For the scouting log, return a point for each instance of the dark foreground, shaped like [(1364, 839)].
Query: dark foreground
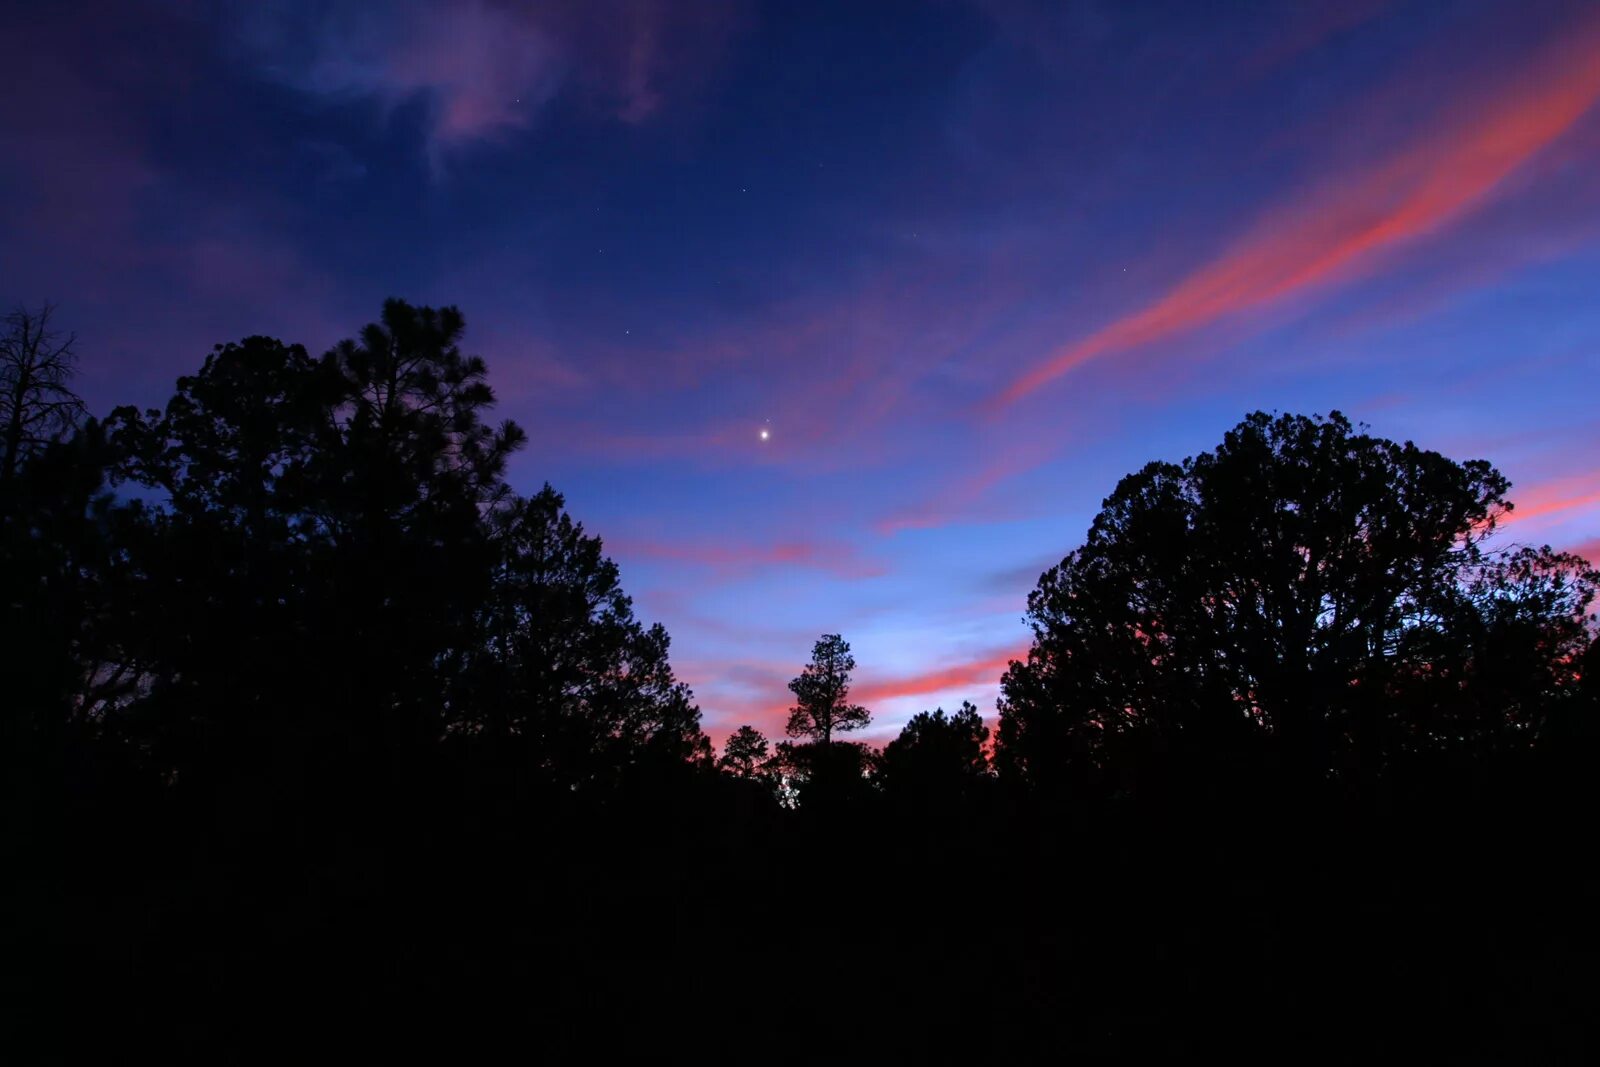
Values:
[(705, 922)]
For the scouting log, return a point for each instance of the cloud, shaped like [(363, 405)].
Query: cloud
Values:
[(1339, 229), (838, 559), (985, 671), (958, 501), (1555, 497), (1022, 578), (834, 370), (483, 70), (1306, 31), (737, 693)]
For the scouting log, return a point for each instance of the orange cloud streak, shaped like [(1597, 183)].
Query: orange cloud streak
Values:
[(977, 672), (1554, 497), (1346, 223), (769, 713)]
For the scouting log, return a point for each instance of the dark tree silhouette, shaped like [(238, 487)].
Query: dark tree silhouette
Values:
[(560, 667), (229, 613), (937, 755), (1498, 664), (56, 560), (37, 404), (1304, 584), (822, 694), (825, 773), (325, 705), (745, 754), (412, 407), (317, 554), (413, 468)]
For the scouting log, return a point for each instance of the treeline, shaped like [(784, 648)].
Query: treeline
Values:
[(299, 692)]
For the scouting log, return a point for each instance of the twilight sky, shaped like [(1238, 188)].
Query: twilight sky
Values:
[(968, 263)]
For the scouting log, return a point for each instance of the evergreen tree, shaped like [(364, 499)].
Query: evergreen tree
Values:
[(561, 669), (822, 694), (746, 753)]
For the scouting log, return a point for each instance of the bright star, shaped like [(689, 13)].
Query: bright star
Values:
[(765, 434)]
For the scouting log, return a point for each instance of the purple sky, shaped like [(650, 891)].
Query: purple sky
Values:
[(969, 263)]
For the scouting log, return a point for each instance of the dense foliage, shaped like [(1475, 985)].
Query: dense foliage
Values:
[(1306, 593), (301, 692)]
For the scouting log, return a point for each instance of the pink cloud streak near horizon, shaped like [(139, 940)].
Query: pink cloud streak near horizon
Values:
[(769, 711)]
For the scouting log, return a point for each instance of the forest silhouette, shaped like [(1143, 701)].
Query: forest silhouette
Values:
[(319, 737)]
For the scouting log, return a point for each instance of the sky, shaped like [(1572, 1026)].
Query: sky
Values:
[(966, 263)]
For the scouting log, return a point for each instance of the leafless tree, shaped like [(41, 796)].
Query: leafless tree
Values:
[(37, 404)]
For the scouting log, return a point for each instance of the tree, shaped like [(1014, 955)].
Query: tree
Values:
[(233, 573), (37, 404), (823, 778), (1503, 668), (318, 551), (1297, 587), (404, 487), (56, 551), (822, 692), (937, 755), (60, 558), (238, 441), (745, 753), (412, 426), (560, 670)]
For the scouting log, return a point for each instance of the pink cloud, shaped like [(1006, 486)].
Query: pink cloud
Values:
[(1555, 497), (1339, 230), (757, 694), (985, 671), (837, 559)]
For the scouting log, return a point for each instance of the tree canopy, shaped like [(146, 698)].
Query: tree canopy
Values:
[(559, 665), (937, 754), (1307, 586), (331, 567), (821, 691), (746, 753), (292, 648)]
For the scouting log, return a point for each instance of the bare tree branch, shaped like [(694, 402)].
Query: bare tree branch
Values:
[(37, 404)]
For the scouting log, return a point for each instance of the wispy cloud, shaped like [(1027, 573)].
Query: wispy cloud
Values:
[(1555, 497), (837, 559), (958, 501), (483, 70), (984, 671), (1339, 230)]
